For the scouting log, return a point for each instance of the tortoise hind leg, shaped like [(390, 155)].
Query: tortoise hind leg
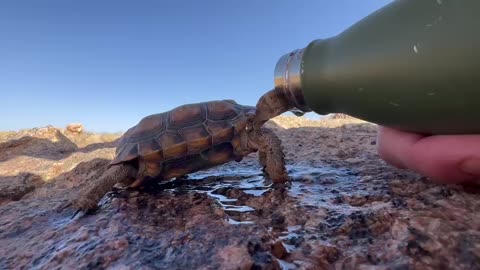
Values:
[(88, 198), (272, 156), (140, 179)]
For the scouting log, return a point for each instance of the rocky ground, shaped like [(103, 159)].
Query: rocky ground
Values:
[(345, 209)]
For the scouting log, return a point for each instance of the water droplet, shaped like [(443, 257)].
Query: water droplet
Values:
[(415, 49), (439, 2), (431, 94), (360, 89), (234, 222), (297, 112)]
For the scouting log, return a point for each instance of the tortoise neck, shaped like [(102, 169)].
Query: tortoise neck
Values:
[(271, 104)]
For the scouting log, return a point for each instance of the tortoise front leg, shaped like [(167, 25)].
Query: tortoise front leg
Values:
[(262, 158), (272, 156)]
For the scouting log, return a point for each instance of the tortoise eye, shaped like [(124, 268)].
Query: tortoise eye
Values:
[(249, 126)]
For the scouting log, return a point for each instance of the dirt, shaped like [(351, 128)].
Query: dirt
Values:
[(345, 209)]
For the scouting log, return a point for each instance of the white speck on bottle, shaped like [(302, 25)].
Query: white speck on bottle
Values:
[(415, 49), (394, 104)]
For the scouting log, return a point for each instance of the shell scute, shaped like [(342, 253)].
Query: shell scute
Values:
[(222, 131), (127, 152), (173, 145), (197, 138), (181, 166), (187, 130), (148, 127), (186, 115), (220, 153), (149, 146), (222, 110)]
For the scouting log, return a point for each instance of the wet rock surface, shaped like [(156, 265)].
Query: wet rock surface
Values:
[(344, 209)]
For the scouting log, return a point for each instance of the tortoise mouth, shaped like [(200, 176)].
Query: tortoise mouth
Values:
[(135, 163)]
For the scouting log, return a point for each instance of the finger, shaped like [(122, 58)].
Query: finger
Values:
[(447, 158), (393, 146)]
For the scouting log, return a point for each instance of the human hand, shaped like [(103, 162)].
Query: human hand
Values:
[(443, 158)]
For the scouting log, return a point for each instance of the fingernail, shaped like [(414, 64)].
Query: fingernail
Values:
[(471, 166)]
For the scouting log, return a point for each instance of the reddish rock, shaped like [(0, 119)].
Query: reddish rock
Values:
[(75, 128), (234, 257), (279, 250), (345, 209)]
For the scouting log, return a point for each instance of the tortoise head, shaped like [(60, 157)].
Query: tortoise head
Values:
[(250, 113), (252, 128)]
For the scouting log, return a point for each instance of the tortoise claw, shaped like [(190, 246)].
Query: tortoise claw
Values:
[(67, 205), (75, 214), (76, 206)]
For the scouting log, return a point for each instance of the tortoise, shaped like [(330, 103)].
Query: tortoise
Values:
[(183, 140)]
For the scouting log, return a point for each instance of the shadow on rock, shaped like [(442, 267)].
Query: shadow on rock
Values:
[(37, 147), (15, 187), (29, 185)]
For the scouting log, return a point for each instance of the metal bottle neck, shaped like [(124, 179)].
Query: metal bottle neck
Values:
[(287, 74)]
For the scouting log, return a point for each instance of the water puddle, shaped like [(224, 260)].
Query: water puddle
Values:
[(319, 186), (219, 183), (284, 265), (311, 186)]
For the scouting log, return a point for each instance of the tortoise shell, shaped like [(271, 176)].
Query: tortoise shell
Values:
[(185, 139)]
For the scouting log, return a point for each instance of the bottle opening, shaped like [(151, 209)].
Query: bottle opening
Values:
[(287, 78)]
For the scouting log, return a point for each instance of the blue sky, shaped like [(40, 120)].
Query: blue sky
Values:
[(107, 63)]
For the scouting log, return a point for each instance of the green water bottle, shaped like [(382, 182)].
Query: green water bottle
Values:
[(412, 65)]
